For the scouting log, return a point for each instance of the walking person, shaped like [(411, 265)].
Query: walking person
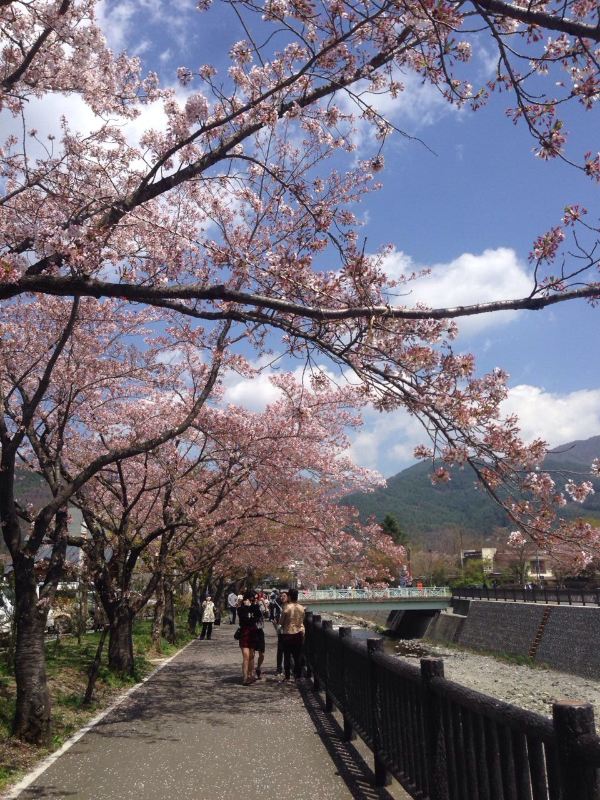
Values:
[(283, 598), (273, 597), (232, 601), (259, 639), (292, 634), (248, 615), (208, 617)]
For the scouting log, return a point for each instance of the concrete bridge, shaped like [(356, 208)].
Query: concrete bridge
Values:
[(406, 612), (428, 598)]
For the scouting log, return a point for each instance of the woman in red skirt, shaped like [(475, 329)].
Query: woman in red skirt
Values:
[(248, 615)]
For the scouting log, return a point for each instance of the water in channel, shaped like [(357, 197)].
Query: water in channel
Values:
[(407, 648)]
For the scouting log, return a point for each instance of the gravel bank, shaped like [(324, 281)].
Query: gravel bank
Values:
[(528, 687), (533, 688)]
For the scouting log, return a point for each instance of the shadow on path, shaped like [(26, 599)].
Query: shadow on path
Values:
[(193, 731), (351, 767)]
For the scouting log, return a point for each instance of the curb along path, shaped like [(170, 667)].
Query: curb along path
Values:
[(193, 731)]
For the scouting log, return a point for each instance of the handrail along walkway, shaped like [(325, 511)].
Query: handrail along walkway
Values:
[(442, 741), (533, 595)]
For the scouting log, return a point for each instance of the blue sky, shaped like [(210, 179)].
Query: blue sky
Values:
[(470, 210)]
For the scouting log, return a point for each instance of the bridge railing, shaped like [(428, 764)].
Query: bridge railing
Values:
[(442, 741), (534, 595), (375, 594)]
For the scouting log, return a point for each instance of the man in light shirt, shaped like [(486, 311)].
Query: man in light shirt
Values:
[(232, 601), (292, 634)]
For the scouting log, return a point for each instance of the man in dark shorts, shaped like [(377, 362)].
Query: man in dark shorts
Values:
[(292, 635)]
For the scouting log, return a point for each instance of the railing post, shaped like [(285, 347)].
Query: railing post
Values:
[(572, 720), (327, 625), (433, 724), (315, 676), (308, 623), (382, 777), (349, 735)]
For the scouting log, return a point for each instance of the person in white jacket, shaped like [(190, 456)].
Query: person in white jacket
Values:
[(208, 617)]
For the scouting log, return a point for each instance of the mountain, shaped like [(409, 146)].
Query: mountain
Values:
[(422, 508), (31, 488), (581, 452)]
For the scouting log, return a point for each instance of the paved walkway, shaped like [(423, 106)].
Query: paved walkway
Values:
[(193, 732)]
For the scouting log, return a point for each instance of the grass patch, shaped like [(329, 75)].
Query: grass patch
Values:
[(67, 663)]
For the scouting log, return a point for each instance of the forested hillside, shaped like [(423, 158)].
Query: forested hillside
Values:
[(421, 507)]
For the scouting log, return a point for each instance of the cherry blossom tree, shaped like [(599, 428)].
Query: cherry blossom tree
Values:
[(240, 211), (236, 490), (72, 380)]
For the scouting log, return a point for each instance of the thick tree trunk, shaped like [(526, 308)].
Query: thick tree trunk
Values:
[(32, 714), (120, 642), (82, 620), (194, 612), (159, 612), (94, 669), (169, 629)]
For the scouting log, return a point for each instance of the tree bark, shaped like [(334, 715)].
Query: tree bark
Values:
[(169, 629), (120, 641), (159, 612), (193, 613), (94, 669), (32, 713)]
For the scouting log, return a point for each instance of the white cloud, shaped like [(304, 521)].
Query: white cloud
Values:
[(420, 105), (121, 21), (254, 394), (116, 22), (257, 392), (467, 280), (44, 114), (387, 441), (556, 418)]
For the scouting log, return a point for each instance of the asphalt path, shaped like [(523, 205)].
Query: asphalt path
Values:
[(193, 731)]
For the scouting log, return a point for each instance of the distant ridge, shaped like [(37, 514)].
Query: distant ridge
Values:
[(583, 451), (422, 508)]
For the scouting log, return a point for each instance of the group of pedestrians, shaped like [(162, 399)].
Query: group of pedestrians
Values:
[(252, 609)]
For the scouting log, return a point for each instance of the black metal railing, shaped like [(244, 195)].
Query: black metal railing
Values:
[(585, 597), (442, 741)]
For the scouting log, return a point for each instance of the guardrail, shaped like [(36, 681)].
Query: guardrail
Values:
[(571, 597), (375, 594), (442, 741)]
